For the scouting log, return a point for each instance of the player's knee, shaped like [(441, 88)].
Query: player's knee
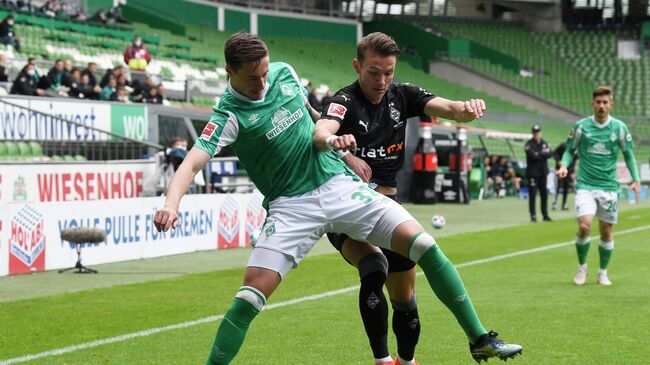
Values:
[(373, 263), (253, 296), (585, 227), (409, 305), (421, 243), (607, 244)]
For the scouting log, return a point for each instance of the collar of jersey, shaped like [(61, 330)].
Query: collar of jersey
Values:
[(244, 97), (609, 119)]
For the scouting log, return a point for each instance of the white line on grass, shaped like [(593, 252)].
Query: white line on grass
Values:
[(285, 303)]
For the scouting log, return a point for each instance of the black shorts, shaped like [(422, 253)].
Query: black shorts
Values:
[(396, 262)]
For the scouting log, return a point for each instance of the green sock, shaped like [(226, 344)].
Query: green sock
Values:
[(448, 287), (231, 332), (605, 256), (583, 250)]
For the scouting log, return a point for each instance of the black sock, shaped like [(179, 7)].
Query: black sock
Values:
[(372, 302), (406, 326)]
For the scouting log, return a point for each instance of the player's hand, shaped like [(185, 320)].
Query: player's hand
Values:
[(345, 142), (165, 218), (562, 172), (471, 109), (636, 187), (359, 166)]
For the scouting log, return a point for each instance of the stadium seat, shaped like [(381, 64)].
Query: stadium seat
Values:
[(3, 151), (13, 153), (24, 151)]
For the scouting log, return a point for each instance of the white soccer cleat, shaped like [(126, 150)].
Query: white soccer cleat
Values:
[(581, 275), (602, 278)]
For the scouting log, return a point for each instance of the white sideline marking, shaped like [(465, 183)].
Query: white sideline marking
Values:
[(285, 303)]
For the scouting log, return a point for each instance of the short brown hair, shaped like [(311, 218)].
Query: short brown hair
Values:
[(603, 91), (243, 47), (379, 43)]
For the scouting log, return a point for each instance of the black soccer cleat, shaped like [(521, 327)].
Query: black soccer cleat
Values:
[(489, 345)]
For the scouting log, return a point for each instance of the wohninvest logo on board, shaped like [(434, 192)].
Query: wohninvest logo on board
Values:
[(27, 242), (228, 227)]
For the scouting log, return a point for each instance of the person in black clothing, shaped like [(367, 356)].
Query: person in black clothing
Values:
[(75, 84), (85, 89), (115, 73), (4, 73), (95, 89), (564, 183), (58, 80), (373, 112), (27, 81), (537, 154), (7, 35)]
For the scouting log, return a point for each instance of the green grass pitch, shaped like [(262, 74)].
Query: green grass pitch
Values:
[(529, 299)]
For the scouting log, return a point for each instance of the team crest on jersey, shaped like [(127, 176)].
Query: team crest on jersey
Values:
[(337, 110), (612, 137), (394, 115), (287, 90), (571, 133), (208, 131), (254, 118)]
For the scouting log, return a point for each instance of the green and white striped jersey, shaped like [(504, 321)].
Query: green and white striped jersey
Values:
[(272, 137)]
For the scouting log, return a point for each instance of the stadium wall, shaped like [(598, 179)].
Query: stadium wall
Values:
[(18, 123), (93, 5), (230, 18), (30, 233)]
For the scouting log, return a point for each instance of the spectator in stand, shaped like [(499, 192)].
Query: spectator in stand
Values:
[(7, 35), (9, 4), (26, 6), (26, 83), (67, 66), (99, 17), (141, 90), (502, 172), (49, 8), (90, 70), (66, 11), (122, 94), (115, 14), (312, 98), (115, 73), (489, 179), (4, 74), (58, 80), (75, 84), (109, 92), (154, 96), (86, 90), (136, 55)]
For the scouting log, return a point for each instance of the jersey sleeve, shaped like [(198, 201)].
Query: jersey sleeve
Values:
[(338, 108), (221, 131), (627, 145), (571, 144), (416, 99)]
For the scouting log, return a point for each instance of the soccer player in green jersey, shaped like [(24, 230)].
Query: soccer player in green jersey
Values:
[(598, 139), (265, 118)]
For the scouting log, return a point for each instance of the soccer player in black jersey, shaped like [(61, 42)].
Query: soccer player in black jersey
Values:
[(374, 110)]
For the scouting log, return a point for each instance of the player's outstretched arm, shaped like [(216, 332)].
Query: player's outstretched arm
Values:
[(630, 162), (460, 111), (167, 217)]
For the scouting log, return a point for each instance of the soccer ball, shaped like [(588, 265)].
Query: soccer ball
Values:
[(438, 221)]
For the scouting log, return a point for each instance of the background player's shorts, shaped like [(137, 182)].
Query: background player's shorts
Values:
[(396, 262), (294, 224), (603, 204)]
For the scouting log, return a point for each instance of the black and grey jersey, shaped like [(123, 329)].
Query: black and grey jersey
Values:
[(378, 129)]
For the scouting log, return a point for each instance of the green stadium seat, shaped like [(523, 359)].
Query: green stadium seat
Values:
[(37, 149), (69, 158), (24, 151), (3, 151), (13, 153), (57, 158), (80, 158)]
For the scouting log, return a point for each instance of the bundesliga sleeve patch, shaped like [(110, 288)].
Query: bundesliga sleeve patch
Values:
[(337, 110), (208, 131)]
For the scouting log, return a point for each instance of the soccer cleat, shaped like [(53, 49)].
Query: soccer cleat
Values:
[(581, 275), (548, 219), (554, 206), (602, 278), (533, 219), (397, 362), (489, 345)]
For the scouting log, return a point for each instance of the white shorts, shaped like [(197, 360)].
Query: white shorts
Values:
[(603, 204), (342, 205)]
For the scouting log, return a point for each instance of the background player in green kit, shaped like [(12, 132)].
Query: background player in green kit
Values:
[(598, 139), (263, 116)]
